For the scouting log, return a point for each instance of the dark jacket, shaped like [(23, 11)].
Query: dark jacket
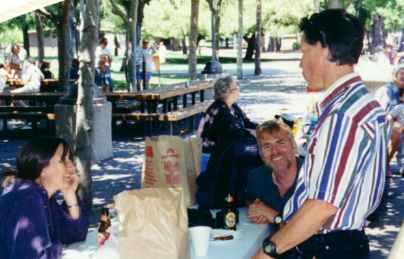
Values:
[(233, 153), (223, 124)]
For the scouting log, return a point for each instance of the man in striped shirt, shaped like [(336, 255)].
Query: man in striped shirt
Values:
[(342, 178)]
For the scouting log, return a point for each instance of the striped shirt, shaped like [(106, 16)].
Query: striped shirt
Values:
[(345, 163)]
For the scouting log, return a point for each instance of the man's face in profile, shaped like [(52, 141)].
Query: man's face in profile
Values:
[(312, 64)]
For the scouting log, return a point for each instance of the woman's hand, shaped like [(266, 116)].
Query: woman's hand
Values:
[(70, 180)]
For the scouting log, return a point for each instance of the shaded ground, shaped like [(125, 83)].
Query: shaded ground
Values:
[(280, 89)]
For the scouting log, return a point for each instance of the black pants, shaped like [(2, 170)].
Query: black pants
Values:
[(348, 244)]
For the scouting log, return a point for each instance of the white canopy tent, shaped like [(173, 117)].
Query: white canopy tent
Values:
[(13, 8)]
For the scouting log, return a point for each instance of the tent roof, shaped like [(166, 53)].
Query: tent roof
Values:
[(13, 8)]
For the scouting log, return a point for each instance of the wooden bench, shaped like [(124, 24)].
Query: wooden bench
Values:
[(175, 122), (37, 107), (160, 111)]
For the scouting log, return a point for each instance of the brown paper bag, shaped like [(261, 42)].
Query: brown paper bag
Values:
[(171, 161), (153, 224)]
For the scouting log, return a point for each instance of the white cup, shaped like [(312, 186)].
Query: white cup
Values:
[(200, 237)]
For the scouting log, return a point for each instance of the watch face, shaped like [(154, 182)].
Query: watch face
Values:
[(278, 220), (268, 249)]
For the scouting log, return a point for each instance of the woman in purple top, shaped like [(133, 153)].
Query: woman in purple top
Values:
[(33, 222)]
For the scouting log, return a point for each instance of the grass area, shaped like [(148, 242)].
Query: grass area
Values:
[(121, 85), (204, 59)]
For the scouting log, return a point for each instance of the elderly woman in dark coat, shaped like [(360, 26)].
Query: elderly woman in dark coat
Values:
[(227, 136)]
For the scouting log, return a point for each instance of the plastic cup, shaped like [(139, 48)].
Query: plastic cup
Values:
[(200, 237)]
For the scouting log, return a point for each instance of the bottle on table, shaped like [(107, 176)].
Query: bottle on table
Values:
[(230, 213), (104, 224)]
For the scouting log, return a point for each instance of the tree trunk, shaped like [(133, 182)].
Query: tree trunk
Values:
[(214, 35), (214, 6), (240, 41), (376, 33), (84, 119), (401, 46), (69, 25), (25, 37), (39, 33), (278, 44), (193, 39), (140, 16), (133, 21), (258, 70), (335, 4), (250, 47), (263, 43), (184, 45)]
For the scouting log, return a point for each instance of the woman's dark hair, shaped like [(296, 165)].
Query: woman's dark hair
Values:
[(339, 31), (36, 154)]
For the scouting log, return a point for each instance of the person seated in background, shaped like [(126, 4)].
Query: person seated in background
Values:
[(103, 76), (45, 69), (15, 62), (34, 224), (31, 78), (272, 184), (389, 97), (396, 116), (228, 136)]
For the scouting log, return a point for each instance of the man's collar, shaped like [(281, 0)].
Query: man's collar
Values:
[(336, 88)]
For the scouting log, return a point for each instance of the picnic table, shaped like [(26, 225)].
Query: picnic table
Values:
[(47, 85), (165, 110), (248, 240), (165, 99)]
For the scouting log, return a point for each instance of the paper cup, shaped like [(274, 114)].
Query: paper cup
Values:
[(200, 236)]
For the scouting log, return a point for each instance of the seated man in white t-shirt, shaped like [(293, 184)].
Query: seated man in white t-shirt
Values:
[(31, 77)]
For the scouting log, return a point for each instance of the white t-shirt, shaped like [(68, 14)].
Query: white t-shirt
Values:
[(3, 79), (32, 77)]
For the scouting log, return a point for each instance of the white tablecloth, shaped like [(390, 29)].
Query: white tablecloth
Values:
[(248, 241)]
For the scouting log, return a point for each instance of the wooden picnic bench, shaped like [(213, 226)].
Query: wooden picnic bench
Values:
[(166, 110), (47, 85), (36, 107)]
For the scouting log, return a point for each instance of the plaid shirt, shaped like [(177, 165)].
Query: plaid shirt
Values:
[(345, 163)]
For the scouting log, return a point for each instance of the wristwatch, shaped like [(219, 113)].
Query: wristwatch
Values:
[(269, 248), (278, 220)]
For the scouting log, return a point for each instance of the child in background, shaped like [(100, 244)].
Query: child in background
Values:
[(397, 117), (103, 75)]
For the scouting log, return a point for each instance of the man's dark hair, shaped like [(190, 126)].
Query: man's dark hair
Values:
[(36, 154), (339, 31)]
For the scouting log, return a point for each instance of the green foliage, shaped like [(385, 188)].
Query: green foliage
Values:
[(165, 19), (9, 34)]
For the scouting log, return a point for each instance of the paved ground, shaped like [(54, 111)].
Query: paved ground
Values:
[(280, 89)]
